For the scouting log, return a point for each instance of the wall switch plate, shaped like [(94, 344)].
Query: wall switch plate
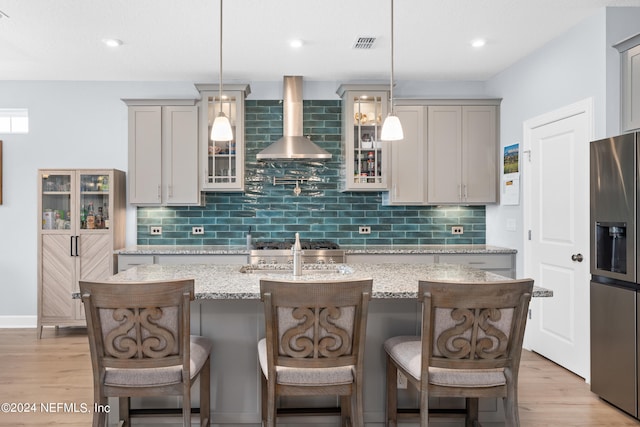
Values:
[(197, 230), (457, 229), (155, 231), (364, 229), (402, 381)]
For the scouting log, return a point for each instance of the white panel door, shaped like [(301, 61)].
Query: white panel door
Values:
[(558, 213)]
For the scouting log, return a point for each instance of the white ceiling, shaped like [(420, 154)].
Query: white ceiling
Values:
[(177, 40)]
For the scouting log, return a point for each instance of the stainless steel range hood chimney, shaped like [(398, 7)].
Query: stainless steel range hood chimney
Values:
[(293, 145)]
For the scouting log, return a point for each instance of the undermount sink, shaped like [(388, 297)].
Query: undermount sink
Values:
[(286, 269)]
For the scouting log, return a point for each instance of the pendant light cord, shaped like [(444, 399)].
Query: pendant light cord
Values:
[(391, 78), (220, 74)]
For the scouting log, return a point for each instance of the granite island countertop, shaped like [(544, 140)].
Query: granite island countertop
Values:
[(364, 249), (389, 280)]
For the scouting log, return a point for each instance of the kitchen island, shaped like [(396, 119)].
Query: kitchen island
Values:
[(228, 310)]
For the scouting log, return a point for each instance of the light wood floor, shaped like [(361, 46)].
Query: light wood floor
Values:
[(57, 371)]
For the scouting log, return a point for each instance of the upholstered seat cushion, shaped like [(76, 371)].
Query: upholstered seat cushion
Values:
[(406, 351), (200, 350), (305, 376)]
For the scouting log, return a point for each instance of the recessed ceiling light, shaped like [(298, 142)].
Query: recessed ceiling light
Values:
[(296, 43), (478, 42), (112, 42)]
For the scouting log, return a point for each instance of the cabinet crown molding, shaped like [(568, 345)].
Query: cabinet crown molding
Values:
[(159, 102), (448, 101)]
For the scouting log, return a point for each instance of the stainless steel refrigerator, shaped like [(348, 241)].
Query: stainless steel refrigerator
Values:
[(615, 291)]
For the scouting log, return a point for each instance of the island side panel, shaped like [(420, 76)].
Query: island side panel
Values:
[(235, 326)]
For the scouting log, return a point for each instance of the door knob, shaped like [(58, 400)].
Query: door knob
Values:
[(577, 257)]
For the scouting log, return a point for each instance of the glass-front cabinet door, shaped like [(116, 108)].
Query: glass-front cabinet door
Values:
[(94, 201), (223, 161), (57, 211), (365, 155)]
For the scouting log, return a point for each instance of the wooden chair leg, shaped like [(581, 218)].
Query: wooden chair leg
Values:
[(100, 417), (271, 403), (472, 412), (205, 394), (512, 418), (186, 405), (124, 404), (346, 410), (357, 413), (392, 394), (263, 399)]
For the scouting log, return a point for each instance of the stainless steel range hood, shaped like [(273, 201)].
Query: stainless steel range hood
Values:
[(293, 145)]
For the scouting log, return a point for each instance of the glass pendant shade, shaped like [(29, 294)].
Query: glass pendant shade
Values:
[(392, 129), (221, 130)]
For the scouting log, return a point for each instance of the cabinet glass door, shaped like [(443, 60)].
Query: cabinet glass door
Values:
[(222, 155), (56, 201), (94, 201), (367, 147)]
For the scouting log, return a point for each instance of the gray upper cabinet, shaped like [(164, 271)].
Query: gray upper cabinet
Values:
[(408, 182), (163, 152), (462, 152), (630, 83), (449, 154)]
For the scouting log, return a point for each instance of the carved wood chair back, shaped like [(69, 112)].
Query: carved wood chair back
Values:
[(314, 345), (470, 346), (140, 342)]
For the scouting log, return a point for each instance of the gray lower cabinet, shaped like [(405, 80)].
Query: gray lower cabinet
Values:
[(126, 261), (499, 263), (503, 264), (390, 259)]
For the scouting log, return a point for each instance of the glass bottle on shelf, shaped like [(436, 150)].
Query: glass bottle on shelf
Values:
[(99, 218), (105, 218), (91, 218), (83, 217)]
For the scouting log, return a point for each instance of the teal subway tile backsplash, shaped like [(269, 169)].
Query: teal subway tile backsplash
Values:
[(321, 212)]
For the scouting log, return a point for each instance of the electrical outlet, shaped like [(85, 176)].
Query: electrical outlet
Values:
[(402, 381), (364, 229), (155, 231), (457, 229), (197, 230)]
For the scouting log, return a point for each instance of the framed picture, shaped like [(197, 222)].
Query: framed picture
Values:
[(0, 172)]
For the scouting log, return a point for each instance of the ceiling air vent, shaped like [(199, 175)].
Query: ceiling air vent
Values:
[(364, 42)]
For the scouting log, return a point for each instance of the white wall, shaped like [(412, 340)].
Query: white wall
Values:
[(72, 125), (577, 65)]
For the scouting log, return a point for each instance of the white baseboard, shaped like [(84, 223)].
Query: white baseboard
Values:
[(18, 321)]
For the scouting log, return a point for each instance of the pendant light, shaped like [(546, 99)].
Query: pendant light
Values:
[(221, 129), (391, 128)]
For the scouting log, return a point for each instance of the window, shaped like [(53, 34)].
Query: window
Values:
[(14, 120)]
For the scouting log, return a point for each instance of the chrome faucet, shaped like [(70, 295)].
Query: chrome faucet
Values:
[(296, 250)]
